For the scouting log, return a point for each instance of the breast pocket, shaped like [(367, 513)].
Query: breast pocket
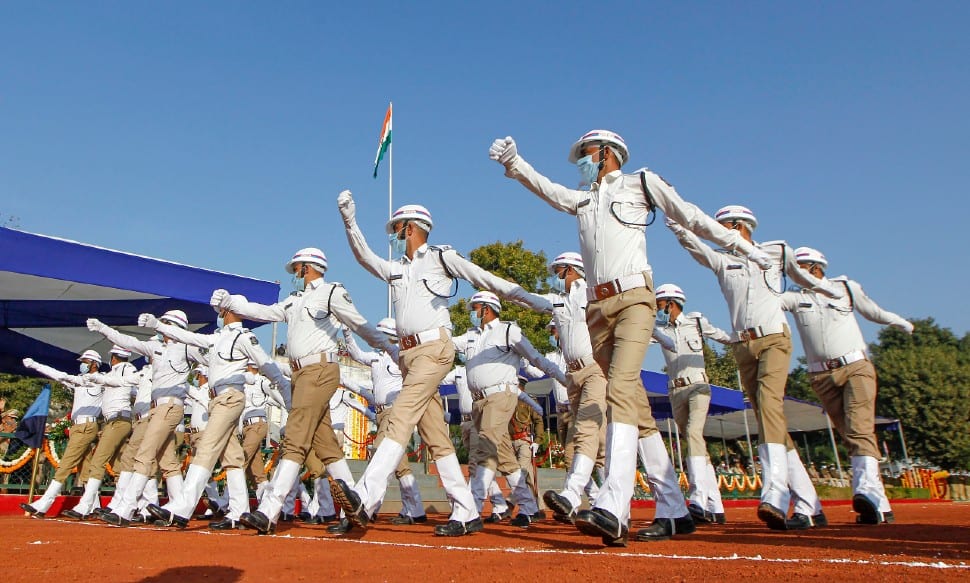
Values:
[(695, 344), (629, 213)]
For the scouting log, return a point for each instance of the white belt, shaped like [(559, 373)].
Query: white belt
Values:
[(686, 381), (166, 401), (382, 408), (478, 396), (833, 363), (412, 340), (580, 363), (758, 332), (118, 415), (254, 420), (616, 286), (319, 357), (81, 419)]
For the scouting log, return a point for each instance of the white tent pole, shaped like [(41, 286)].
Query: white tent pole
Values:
[(390, 203), (670, 437), (838, 462), (680, 455), (723, 442), (808, 456), (269, 418)]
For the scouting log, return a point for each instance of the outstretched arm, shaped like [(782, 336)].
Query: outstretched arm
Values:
[(370, 261), (871, 311), (123, 340)]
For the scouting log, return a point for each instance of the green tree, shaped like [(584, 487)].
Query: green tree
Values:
[(799, 386), (722, 369), (20, 392), (511, 261), (923, 381)]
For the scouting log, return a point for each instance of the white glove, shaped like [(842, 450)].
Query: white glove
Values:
[(761, 258), (348, 210), (535, 448), (147, 321), (503, 151), (30, 363), (220, 299), (95, 325), (906, 326)]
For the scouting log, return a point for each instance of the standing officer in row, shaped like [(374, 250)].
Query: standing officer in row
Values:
[(682, 338), (421, 282), (611, 217), (763, 353), (842, 375), (525, 427), (85, 412), (259, 393), (314, 316), (116, 386)]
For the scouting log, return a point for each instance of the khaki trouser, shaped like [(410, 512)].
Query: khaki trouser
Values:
[(254, 436), (763, 364), (113, 436), (418, 403), (309, 425), (564, 432), (78, 443), (219, 441), (494, 442), (690, 405), (127, 460), (158, 443), (587, 430), (404, 467), (848, 395), (522, 450), (469, 436), (314, 466), (620, 329)]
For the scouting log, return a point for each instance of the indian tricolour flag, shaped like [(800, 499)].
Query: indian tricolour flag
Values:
[(385, 141)]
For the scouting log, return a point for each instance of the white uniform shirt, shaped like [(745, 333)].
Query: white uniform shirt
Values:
[(558, 389), (229, 350), (682, 342), (117, 386), (171, 362), (386, 377), (87, 397), (200, 406), (421, 287), (313, 318), (494, 352), (259, 394), (753, 294), (613, 214), (142, 392), (829, 328), (569, 315), (458, 377)]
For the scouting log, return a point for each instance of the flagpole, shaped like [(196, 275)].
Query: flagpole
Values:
[(390, 195), (33, 476)]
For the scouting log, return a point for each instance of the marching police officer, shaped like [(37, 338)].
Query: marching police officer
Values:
[(842, 375), (681, 335)]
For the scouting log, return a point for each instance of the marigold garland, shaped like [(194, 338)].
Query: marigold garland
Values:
[(11, 466)]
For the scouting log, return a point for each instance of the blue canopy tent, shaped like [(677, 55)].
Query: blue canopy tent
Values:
[(49, 287)]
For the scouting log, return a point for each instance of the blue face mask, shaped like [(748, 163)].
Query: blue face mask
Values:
[(85, 368), (554, 341), (398, 246), (663, 318), (220, 321), (557, 285), (588, 170), (476, 319)]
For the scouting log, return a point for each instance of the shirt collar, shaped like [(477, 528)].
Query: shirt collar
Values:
[(315, 283)]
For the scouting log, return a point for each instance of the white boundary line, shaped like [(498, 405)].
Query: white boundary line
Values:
[(513, 550)]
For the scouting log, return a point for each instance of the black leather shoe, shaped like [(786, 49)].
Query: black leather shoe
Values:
[(138, 518), (458, 528), (33, 512), (97, 512), (303, 516), (327, 518), (664, 528), (540, 515), (349, 500), (773, 517), (719, 518), (562, 518), (804, 522), (869, 512), (284, 517), (313, 520), (558, 503), (112, 518), (342, 527), (257, 521), (406, 519), (521, 520), (493, 519), (602, 523), (166, 517), (75, 515), (700, 515), (226, 524)]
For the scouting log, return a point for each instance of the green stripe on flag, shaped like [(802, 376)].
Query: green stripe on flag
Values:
[(380, 153)]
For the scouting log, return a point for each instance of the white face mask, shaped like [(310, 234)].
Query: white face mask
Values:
[(85, 368)]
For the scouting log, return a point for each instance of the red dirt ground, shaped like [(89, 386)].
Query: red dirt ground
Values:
[(927, 541)]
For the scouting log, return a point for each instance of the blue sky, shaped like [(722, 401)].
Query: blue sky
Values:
[(219, 134)]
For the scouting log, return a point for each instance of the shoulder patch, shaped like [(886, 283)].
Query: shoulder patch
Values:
[(203, 351), (440, 247), (347, 298), (694, 315), (254, 341)]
